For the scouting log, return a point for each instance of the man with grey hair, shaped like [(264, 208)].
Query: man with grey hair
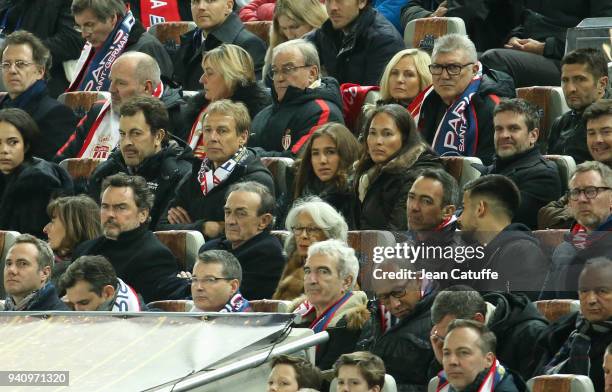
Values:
[(110, 30), (455, 114), (330, 304), (302, 101), (132, 74), (27, 273), (590, 202), (215, 283)]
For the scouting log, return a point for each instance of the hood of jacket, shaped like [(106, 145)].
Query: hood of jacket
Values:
[(512, 232), (162, 164), (510, 311), (38, 173), (496, 82), (418, 156), (329, 90)]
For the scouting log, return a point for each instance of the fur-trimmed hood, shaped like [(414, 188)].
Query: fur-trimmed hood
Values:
[(353, 314), (418, 155)]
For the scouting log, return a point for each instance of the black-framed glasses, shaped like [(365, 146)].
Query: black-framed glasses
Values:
[(310, 231), (207, 281), (590, 192), (286, 70), (452, 69), (395, 294), (19, 64)]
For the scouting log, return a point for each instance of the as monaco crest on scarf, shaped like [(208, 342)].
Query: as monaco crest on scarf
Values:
[(286, 140)]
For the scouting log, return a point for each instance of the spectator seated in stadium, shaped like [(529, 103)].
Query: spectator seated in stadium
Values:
[(217, 24), (325, 168), (91, 284), (356, 42), (104, 25), (462, 97), (73, 220), (510, 249), (513, 319), (575, 344), (215, 283), (132, 74), (598, 117), (535, 46), (302, 101), (470, 363), (607, 365), (584, 80), (52, 22), (310, 220), (393, 155), (399, 325), (145, 150), (249, 217), (228, 74), (518, 157), (330, 303), (138, 257), (25, 69), (590, 202), (27, 269), (199, 198), (406, 75), (292, 374), (360, 370), (292, 19), (27, 183)]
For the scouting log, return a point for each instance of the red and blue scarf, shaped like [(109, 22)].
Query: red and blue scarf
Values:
[(493, 377), (320, 323)]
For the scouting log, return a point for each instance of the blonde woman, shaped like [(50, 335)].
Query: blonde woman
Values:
[(228, 73), (406, 75)]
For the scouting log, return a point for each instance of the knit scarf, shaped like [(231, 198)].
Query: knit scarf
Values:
[(23, 99), (29, 300), (581, 239), (486, 381), (320, 323), (94, 65), (237, 304), (195, 139), (209, 178), (153, 12), (126, 299)]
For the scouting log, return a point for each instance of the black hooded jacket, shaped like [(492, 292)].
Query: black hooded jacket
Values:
[(163, 172), (284, 127), (568, 137), (495, 84)]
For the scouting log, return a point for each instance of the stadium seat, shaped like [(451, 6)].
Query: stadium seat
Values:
[(371, 97), (189, 93), (390, 385), (433, 384), (364, 242), (566, 166), (169, 33), (269, 306), (561, 383), (80, 169), (421, 33), (7, 239), (184, 244), (461, 168), (278, 166), (550, 239), (81, 101), (179, 305), (554, 309), (281, 235), (260, 28), (551, 101)]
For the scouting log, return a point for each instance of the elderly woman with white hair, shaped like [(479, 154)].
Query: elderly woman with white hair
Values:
[(310, 220), (330, 303)]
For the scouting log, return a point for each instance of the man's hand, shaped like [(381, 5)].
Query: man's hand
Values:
[(437, 343), (213, 229), (526, 45), (178, 215), (440, 11)]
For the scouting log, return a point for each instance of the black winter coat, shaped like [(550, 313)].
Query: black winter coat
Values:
[(384, 205), (188, 61), (26, 192), (361, 55), (45, 300), (207, 208), (163, 172), (568, 137), (140, 260), (262, 261), (53, 23), (55, 121), (494, 84), (537, 179), (284, 127), (405, 348)]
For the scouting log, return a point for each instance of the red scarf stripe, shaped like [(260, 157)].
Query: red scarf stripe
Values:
[(323, 119)]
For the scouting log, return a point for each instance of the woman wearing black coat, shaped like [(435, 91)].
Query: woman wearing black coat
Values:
[(26, 183), (393, 156)]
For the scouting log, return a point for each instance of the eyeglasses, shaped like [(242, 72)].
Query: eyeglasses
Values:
[(590, 192), (286, 70), (452, 69), (436, 337), (19, 64), (310, 231), (395, 294), (208, 281)]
